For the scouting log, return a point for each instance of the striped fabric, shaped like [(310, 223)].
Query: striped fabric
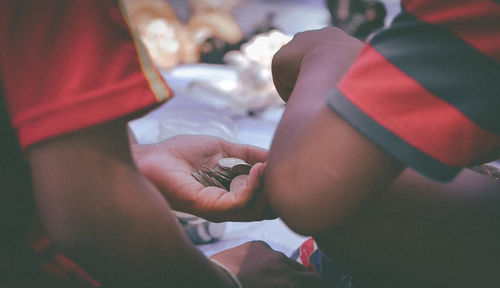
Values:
[(309, 255), (427, 88)]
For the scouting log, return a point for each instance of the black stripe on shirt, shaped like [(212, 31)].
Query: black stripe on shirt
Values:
[(389, 142), (446, 66)]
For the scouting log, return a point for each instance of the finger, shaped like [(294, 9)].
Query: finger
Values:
[(215, 202), (243, 194), (255, 154), (248, 153), (254, 205), (241, 204)]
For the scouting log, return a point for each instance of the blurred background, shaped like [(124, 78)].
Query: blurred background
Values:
[(190, 31), (216, 56)]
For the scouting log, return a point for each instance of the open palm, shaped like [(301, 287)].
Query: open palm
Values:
[(169, 165)]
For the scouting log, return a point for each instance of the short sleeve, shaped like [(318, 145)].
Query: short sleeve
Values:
[(68, 65), (426, 89)]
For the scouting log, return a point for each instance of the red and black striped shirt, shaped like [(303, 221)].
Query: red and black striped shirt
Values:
[(427, 88)]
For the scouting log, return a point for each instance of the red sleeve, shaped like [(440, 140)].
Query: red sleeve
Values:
[(69, 64), (426, 89)]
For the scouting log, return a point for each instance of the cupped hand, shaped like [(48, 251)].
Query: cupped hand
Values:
[(257, 265), (317, 52), (169, 165)]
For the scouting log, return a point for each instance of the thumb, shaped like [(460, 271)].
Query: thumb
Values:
[(248, 191)]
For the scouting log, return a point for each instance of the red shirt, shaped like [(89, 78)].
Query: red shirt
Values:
[(64, 65), (426, 89)]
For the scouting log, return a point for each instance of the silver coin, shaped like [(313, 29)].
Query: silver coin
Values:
[(228, 163), (239, 169), (221, 176), (217, 183), (222, 171), (199, 178), (207, 179), (211, 180)]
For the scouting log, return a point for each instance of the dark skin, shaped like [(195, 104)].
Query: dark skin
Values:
[(433, 234), (99, 209), (102, 212), (386, 228), (182, 156), (95, 205)]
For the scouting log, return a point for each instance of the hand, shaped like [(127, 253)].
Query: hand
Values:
[(169, 165), (326, 52), (257, 265)]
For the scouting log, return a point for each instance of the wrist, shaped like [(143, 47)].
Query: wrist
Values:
[(326, 65)]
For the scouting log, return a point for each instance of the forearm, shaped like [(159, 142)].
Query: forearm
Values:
[(102, 213), (318, 74), (420, 233), (320, 171), (325, 174)]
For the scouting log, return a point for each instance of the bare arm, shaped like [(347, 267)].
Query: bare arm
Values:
[(335, 170), (103, 213), (421, 233), (411, 232)]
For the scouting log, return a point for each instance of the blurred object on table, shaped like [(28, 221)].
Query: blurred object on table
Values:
[(253, 90), (359, 18), (491, 169), (346, 14), (162, 126), (214, 49), (171, 42), (289, 16), (197, 123), (213, 18), (375, 13), (166, 39), (199, 230)]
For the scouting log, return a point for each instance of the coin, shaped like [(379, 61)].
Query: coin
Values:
[(199, 178), (239, 169), (223, 173), (238, 182), (228, 163)]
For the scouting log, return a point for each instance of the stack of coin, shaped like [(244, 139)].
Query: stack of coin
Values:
[(224, 173)]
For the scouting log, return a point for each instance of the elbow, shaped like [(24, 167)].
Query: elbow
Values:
[(304, 226), (304, 223), (300, 208)]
